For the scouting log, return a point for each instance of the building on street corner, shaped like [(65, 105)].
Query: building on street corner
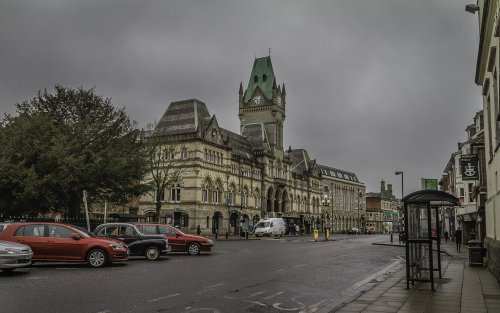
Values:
[(231, 180), (487, 76)]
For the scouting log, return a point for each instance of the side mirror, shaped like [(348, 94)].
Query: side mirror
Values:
[(75, 236)]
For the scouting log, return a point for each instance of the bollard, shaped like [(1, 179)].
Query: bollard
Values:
[(391, 238), (216, 235), (227, 235), (315, 235), (246, 235)]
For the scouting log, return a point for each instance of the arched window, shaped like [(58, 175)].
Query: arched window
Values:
[(204, 193)]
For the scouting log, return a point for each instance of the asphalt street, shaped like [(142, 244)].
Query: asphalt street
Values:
[(291, 274)]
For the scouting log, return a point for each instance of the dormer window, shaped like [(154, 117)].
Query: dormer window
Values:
[(255, 79)]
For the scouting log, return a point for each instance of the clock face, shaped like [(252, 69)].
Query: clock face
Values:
[(257, 99), (278, 100)]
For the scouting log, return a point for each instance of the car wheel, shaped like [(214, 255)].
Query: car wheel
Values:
[(152, 253), (194, 248), (97, 258)]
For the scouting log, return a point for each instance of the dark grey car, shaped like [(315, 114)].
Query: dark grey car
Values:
[(139, 244)]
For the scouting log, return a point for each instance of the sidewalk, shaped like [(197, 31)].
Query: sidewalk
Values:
[(462, 289)]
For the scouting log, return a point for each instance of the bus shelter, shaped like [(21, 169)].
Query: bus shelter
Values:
[(423, 233)]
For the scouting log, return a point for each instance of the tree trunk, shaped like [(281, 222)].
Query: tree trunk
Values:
[(158, 210)]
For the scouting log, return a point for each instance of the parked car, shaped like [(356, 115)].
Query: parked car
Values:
[(370, 230), (14, 255), (271, 227), (178, 241), (62, 242), (353, 231), (139, 244)]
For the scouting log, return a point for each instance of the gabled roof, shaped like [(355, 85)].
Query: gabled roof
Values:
[(300, 160), (240, 145), (182, 117), (256, 134), (262, 67)]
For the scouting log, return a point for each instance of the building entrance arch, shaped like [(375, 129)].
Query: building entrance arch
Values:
[(217, 222)]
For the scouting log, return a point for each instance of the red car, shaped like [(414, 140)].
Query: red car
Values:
[(178, 241), (61, 242)]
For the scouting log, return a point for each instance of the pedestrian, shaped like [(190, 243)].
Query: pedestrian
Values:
[(458, 238), (446, 236), (250, 228), (297, 230), (198, 230)]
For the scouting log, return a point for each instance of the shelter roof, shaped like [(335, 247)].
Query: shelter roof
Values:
[(426, 196)]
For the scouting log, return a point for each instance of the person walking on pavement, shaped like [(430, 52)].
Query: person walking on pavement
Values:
[(198, 230), (458, 238), (446, 236)]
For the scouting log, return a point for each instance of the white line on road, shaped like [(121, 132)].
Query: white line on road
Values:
[(300, 265), (165, 297), (255, 294), (274, 295), (216, 285), (280, 270)]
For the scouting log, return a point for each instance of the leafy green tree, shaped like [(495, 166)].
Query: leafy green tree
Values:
[(59, 144)]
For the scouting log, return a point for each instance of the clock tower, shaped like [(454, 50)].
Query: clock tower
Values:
[(263, 102)]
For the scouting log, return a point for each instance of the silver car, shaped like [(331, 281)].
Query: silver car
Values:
[(14, 255)]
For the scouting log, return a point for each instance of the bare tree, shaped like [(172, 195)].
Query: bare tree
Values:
[(165, 168)]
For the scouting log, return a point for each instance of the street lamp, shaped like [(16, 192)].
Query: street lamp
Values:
[(360, 195), (402, 185)]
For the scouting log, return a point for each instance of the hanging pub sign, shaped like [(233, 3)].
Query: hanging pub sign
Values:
[(469, 166)]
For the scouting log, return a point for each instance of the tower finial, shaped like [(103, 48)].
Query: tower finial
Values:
[(269, 51)]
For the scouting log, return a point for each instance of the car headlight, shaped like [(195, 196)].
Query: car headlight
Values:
[(13, 251), (117, 247), (210, 242)]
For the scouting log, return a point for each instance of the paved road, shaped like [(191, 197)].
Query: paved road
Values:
[(270, 275)]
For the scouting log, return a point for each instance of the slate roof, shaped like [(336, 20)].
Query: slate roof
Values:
[(261, 67), (256, 134), (336, 173), (182, 117), (240, 145), (297, 156)]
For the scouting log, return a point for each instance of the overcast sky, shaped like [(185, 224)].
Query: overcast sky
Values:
[(372, 86)]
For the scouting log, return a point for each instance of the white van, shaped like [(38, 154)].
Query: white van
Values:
[(270, 227)]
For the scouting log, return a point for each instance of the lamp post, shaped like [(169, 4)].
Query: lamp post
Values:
[(360, 195), (402, 182)]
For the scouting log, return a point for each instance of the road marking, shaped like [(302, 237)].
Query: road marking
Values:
[(274, 295), (255, 294), (105, 311), (216, 285), (300, 307), (280, 270), (165, 297), (300, 265), (313, 308)]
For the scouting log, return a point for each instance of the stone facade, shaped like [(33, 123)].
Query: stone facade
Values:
[(487, 76), (232, 180)]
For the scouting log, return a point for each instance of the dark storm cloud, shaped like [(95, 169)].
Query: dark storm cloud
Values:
[(372, 86)]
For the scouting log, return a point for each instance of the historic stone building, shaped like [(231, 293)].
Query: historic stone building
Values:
[(382, 210), (231, 180)]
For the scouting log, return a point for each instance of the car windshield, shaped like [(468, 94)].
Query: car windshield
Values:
[(263, 225), (83, 231)]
